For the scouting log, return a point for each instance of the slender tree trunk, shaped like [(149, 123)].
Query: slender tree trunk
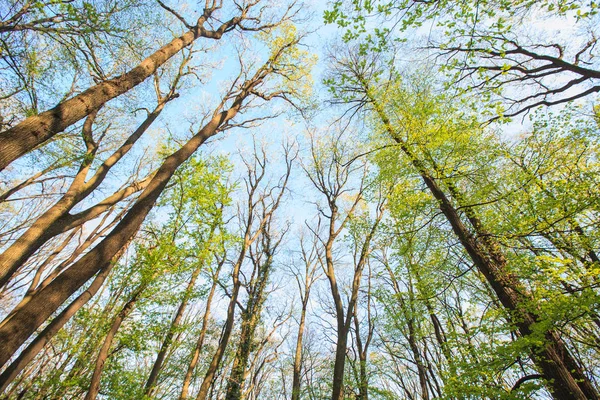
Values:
[(218, 356), (344, 320), (196, 355), (255, 175), (107, 344), (250, 319), (296, 382), (235, 381), (560, 369), (363, 383), (339, 363), (160, 358), (421, 370), (37, 129)]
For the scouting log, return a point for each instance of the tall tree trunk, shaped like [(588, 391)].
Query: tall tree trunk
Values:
[(339, 362), (13, 370), (560, 369), (421, 370), (196, 355), (37, 129), (362, 349), (250, 319), (227, 328), (296, 382), (107, 344), (235, 382), (255, 174), (160, 358)]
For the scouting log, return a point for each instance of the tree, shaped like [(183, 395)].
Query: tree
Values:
[(486, 48), (23, 322), (37, 129), (333, 177), (553, 357)]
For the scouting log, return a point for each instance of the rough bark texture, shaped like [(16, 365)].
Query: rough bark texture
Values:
[(57, 218)]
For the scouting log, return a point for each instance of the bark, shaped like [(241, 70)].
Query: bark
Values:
[(166, 344), (296, 382), (227, 328), (421, 370), (96, 233), (13, 370), (339, 363), (363, 347), (363, 383), (107, 344), (564, 376), (23, 323), (344, 321), (310, 257), (196, 355), (250, 319), (37, 129)]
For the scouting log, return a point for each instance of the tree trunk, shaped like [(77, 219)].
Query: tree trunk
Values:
[(160, 358), (218, 356), (298, 355), (339, 363), (54, 220), (235, 381), (13, 370), (107, 344), (362, 349), (196, 355), (250, 319)]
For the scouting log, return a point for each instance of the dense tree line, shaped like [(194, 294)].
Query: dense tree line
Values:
[(209, 201)]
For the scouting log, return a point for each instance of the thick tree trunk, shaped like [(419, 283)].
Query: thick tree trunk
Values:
[(107, 344), (565, 378), (13, 370), (23, 323), (160, 358), (37, 129)]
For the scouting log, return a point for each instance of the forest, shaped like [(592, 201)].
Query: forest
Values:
[(300, 199)]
